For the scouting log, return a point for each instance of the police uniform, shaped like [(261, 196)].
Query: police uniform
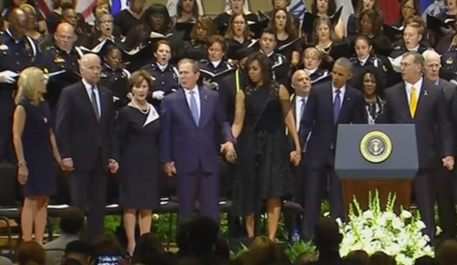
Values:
[(116, 80), (449, 64), (318, 75), (15, 55), (280, 68), (209, 67), (166, 79)]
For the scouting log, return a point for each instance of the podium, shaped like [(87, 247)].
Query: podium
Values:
[(380, 157)]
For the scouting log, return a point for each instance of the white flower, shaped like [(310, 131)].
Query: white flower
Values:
[(406, 215), (368, 214), (420, 225), (155, 216)]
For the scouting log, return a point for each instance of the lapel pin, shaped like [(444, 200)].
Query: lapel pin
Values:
[(205, 97), (425, 93), (45, 120)]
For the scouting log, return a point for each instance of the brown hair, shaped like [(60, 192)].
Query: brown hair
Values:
[(217, 39), (415, 22), (262, 251), (306, 258), (30, 253), (229, 33), (207, 24), (160, 42), (179, 9), (375, 19), (318, 22), (137, 78), (290, 26), (415, 4), (446, 252), (360, 256)]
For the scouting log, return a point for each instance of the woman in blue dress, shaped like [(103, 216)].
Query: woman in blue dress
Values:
[(36, 152)]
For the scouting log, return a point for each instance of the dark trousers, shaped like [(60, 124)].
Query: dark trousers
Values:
[(423, 186), (6, 127), (88, 192), (199, 185), (293, 221), (444, 184), (317, 181)]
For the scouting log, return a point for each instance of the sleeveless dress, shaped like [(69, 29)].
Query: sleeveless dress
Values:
[(275, 178), (139, 166), (42, 178)]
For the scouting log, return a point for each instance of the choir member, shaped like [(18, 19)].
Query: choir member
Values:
[(446, 42), (372, 85), (70, 16), (36, 152), (138, 130), (9, 5), (30, 29), (412, 37), (312, 59), (186, 11), (363, 5), (236, 8), (130, 17), (103, 7), (327, 8), (197, 48), (104, 30), (55, 17), (448, 16), (216, 53), (263, 97), (278, 61), (238, 35), (408, 8), (286, 35), (277, 4)]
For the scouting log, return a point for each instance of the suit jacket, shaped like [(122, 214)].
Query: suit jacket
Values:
[(79, 133), (433, 126), (187, 144), (319, 120)]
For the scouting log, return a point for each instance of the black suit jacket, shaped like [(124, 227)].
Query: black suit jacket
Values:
[(79, 133), (318, 119), (433, 126)]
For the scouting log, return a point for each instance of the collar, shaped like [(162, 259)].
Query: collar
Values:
[(417, 85), (415, 49), (363, 61), (216, 63), (59, 50), (12, 37), (268, 54), (342, 89), (162, 67), (195, 89), (310, 72), (88, 86)]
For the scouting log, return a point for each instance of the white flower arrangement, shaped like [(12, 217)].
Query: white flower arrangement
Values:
[(376, 230)]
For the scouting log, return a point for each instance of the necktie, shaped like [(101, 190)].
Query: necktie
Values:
[(337, 105), (302, 109), (94, 102), (413, 102), (193, 107)]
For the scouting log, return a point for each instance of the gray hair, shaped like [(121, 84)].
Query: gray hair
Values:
[(418, 59), (98, 20), (430, 55), (345, 62), (195, 66)]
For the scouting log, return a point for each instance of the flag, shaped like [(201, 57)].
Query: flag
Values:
[(432, 8), (83, 6), (348, 9), (391, 10), (171, 6), (297, 7), (118, 5), (246, 5)]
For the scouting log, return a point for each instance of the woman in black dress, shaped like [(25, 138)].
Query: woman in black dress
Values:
[(138, 132), (36, 152), (263, 97)]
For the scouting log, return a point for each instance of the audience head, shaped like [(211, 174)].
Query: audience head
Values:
[(306, 258), (312, 58), (381, 258), (216, 48), (327, 235), (189, 73), (362, 47), (262, 251), (137, 6), (360, 256), (148, 250), (202, 235), (222, 249), (267, 41), (432, 65), (64, 36), (90, 68), (162, 52), (280, 3), (446, 253), (79, 251), (101, 7), (140, 84), (158, 18), (31, 85), (238, 26), (30, 253), (425, 260), (189, 7), (301, 83), (108, 245), (72, 221), (258, 70), (105, 24), (412, 35), (411, 66), (112, 56), (341, 72), (18, 22)]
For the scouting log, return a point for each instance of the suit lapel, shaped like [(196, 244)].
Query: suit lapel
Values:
[(404, 103), (346, 102), (204, 105), (87, 100), (186, 107), (421, 100)]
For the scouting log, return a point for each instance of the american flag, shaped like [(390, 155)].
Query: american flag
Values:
[(82, 6)]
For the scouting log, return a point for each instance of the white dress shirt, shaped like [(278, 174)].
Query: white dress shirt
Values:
[(162, 67), (363, 61), (89, 93), (197, 98), (417, 86), (298, 106), (342, 91)]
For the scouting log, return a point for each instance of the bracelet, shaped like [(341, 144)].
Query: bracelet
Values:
[(21, 163)]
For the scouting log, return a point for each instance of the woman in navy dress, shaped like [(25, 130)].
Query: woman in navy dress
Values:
[(36, 152), (138, 132)]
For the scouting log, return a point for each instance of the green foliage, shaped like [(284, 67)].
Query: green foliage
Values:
[(294, 250)]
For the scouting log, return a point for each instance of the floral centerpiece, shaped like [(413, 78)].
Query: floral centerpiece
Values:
[(377, 230)]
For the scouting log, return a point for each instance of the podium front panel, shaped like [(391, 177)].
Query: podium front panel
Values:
[(380, 151)]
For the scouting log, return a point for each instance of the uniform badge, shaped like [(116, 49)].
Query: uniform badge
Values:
[(384, 68), (59, 60), (449, 60), (3, 47)]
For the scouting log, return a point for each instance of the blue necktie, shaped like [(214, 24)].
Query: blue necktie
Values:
[(337, 105), (302, 109), (193, 107), (94, 103)]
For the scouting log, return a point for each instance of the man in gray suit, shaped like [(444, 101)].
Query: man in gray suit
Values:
[(444, 180)]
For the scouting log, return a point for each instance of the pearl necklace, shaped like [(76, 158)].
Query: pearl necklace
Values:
[(141, 110)]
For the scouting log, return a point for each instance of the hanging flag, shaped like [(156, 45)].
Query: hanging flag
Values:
[(391, 10), (246, 5), (348, 9), (118, 5), (432, 8), (297, 7), (171, 6), (84, 7)]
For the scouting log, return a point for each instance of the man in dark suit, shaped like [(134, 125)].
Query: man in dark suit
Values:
[(444, 180), (86, 138), (190, 118), (417, 100), (329, 104)]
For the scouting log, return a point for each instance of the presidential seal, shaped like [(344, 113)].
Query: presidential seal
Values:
[(376, 147)]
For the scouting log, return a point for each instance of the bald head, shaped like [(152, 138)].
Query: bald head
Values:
[(432, 65), (18, 21), (90, 68), (65, 36), (301, 83)]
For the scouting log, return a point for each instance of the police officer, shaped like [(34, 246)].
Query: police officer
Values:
[(17, 52), (216, 52), (61, 56), (280, 67)]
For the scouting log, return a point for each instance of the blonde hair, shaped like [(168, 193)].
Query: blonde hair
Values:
[(28, 85), (24, 8)]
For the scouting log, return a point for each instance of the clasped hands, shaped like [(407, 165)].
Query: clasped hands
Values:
[(67, 165), (295, 157), (228, 150)]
